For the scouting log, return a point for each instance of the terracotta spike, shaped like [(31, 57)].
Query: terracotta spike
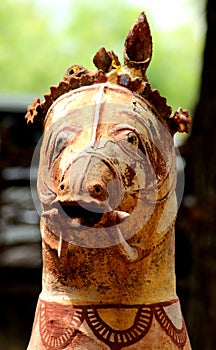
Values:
[(103, 59), (181, 121), (138, 45), (31, 111)]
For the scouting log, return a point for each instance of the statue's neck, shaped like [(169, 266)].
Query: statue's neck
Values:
[(91, 276)]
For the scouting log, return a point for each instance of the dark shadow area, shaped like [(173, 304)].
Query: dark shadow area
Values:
[(20, 242)]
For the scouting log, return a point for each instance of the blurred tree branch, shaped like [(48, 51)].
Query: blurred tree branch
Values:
[(197, 216)]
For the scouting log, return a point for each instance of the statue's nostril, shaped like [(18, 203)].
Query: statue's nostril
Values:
[(98, 191), (97, 188), (62, 187)]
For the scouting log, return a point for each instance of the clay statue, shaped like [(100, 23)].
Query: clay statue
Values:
[(106, 183)]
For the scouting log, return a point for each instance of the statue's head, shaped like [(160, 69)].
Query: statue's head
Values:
[(107, 167)]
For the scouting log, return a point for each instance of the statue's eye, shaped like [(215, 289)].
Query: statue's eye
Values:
[(59, 142), (127, 137), (132, 138), (62, 141), (58, 146)]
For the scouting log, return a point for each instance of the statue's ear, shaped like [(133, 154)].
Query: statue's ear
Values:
[(138, 45)]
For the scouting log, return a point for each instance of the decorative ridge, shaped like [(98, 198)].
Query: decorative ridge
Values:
[(132, 75)]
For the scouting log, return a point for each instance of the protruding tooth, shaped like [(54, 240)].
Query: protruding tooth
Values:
[(120, 215), (60, 246), (75, 222), (112, 218), (130, 253)]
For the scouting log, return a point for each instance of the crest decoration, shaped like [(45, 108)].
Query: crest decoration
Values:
[(131, 75)]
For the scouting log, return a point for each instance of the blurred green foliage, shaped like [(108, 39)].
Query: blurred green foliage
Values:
[(39, 40)]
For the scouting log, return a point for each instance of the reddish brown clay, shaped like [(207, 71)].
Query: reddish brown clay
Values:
[(107, 189)]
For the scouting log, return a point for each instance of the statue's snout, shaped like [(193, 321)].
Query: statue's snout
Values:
[(94, 179)]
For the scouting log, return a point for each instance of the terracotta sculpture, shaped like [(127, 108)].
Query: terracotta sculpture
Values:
[(107, 189)]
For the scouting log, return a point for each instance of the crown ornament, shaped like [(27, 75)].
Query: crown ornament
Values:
[(131, 75)]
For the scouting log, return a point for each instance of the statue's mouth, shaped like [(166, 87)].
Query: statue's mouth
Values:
[(76, 216), (80, 213)]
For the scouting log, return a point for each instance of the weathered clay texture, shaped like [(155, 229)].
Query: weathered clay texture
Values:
[(106, 184)]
